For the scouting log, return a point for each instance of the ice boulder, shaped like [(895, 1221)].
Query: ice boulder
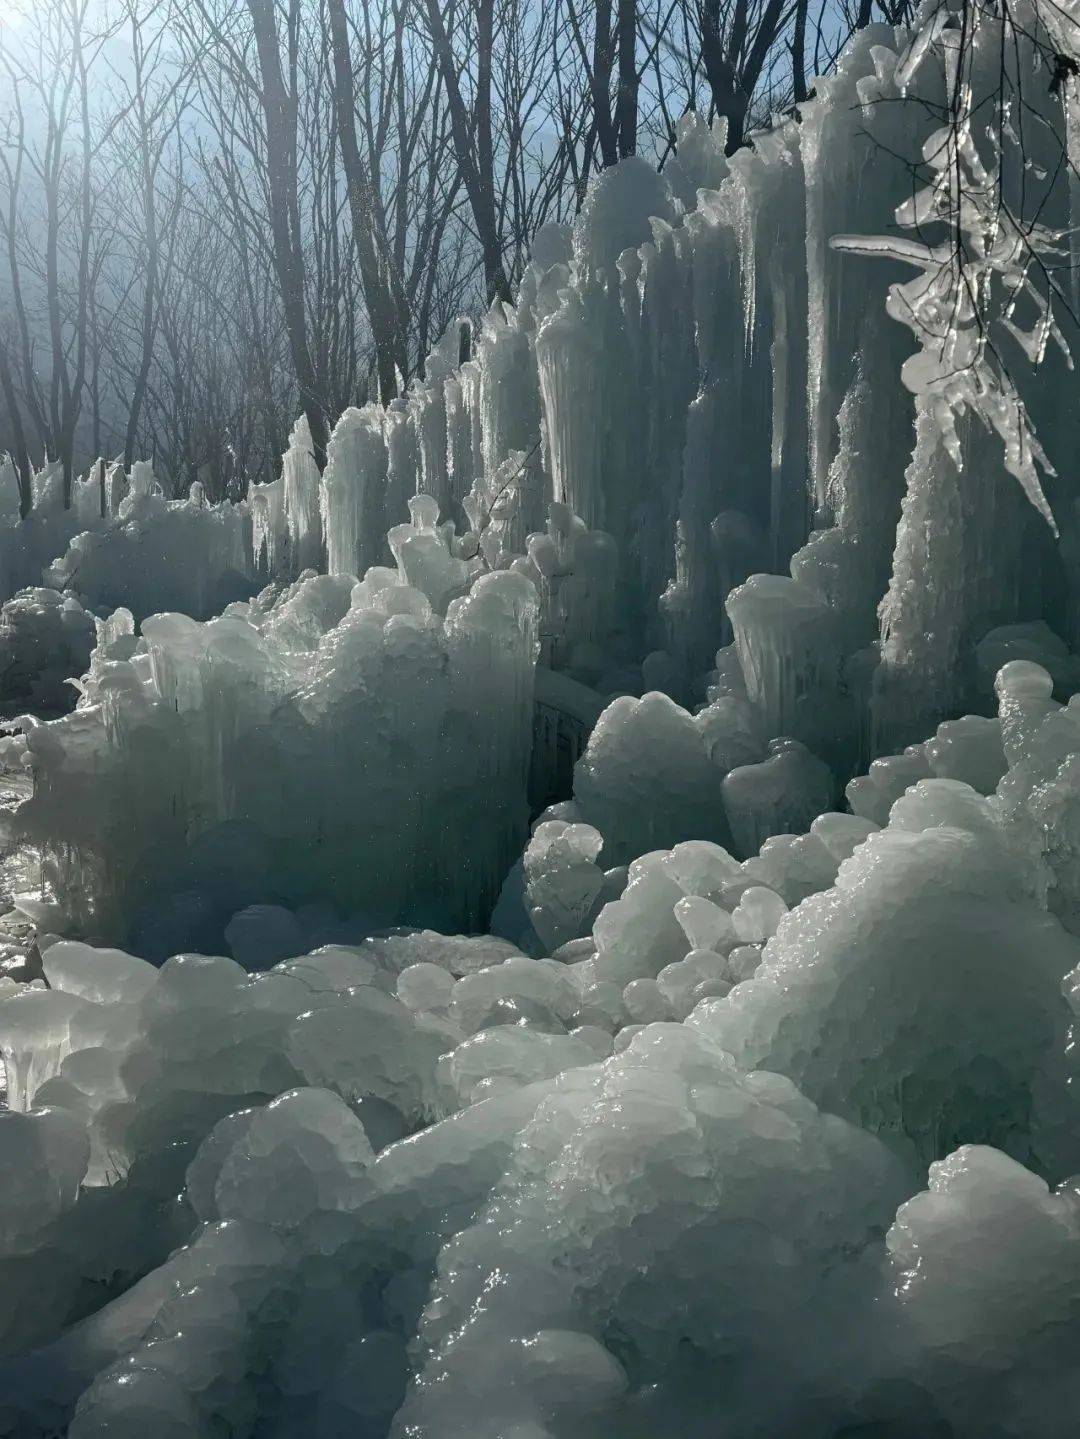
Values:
[(984, 1267), (718, 1214), (646, 782), (921, 995), (563, 882), (305, 1152), (783, 794), (46, 639)]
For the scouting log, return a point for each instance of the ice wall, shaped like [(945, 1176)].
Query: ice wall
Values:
[(707, 367), (323, 743), (27, 546), (157, 554)]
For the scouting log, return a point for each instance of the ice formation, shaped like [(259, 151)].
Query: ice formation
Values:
[(158, 554), (122, 543), (740, 359), (46, 638), (676, 1166), (367, 683), (755, 1112), (28, 545)]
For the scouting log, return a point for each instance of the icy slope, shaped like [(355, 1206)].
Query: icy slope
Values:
[(627, 1201)]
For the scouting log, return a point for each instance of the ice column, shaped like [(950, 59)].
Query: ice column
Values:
[(353, 492), (300, 476)]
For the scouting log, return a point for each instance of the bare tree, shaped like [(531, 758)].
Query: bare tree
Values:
[(53, 70), (473, 133), (155, 105), (279, 104), (238, 211), (383, 287), (21, 455)]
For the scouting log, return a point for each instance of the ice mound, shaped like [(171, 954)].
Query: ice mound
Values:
[(919, 995), (646, 780), (200, 1065), (191, 1345), (129, 1048), (317, 1303), (984, 1267), (399, 1052), (564, 885), (510, 1056), (45, 1153), (707, 1209), (782, 794), (653, 775), (305, 1153), (970, 749), (429, 1185), (618, 213)]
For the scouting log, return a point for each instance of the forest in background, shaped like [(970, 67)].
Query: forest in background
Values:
[(215, 215)]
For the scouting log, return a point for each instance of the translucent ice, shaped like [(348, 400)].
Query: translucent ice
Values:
[(882, 997)]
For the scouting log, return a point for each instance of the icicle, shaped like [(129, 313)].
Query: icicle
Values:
[(354, 488)]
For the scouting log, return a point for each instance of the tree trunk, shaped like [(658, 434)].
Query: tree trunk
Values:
[(23, 470), (626, 112), (372, 251), (798, 54), (481, 195), (288, 262), (73, 396), (728, 98), (150, 298)]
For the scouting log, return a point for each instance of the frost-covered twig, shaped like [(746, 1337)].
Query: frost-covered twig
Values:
[(984, 252)]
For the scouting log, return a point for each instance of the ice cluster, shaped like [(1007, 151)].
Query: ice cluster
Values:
[(636, 431), (278, 753), (46, 638), (184, 555), (671, 1165), (29, 544), (755, 1110), (122, 544)]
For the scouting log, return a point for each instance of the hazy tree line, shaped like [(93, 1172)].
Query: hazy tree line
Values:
[(217, 213)]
